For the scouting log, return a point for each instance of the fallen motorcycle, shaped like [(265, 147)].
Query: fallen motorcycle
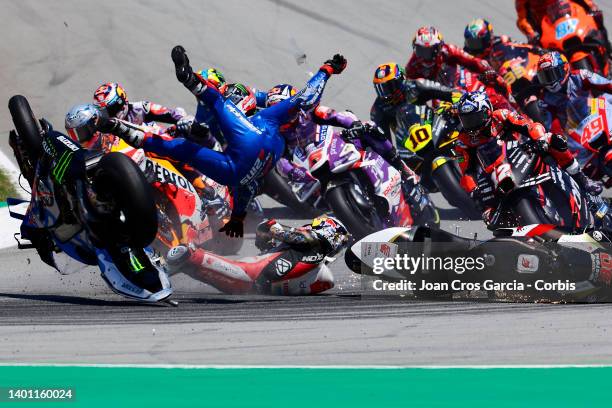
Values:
[(97, 209), (533, 262)]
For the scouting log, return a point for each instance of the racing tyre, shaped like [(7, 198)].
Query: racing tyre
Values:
[(448, 180), (349, 213), (528, 211), (26, 125), (119, 180)]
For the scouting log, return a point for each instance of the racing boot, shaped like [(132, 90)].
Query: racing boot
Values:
[(184, 72), (592, 187), (132, 136)]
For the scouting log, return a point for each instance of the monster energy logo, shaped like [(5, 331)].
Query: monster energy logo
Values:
[(135, 263), (59, 171)]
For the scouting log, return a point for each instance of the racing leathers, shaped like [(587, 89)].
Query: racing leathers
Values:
[(254, 144), (504, 55), (204, 114), (289, 264), (580, 83), (144, 112), (447, 55), (415, 92), (503, 122)]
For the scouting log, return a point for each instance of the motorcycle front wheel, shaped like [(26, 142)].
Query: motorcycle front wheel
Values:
[(447, 178)]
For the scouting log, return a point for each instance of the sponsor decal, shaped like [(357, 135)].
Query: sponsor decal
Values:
[(527, 263), (282, 266), (163, 175)]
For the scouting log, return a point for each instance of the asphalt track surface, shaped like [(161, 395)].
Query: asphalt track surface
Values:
[(56, 53)]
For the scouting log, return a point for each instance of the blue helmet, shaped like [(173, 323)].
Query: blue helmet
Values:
[(82, 121), (475, 111), (478, 36)]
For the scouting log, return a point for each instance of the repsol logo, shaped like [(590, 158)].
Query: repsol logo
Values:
[(163, 175)]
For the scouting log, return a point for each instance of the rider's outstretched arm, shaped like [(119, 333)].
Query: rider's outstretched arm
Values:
[(308, 97)]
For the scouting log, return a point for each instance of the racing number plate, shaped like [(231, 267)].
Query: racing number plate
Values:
[(419, 137)]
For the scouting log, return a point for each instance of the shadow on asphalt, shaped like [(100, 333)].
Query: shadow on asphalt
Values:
[(76, 300)]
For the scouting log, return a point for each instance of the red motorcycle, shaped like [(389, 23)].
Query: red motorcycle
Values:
[(568, 28)]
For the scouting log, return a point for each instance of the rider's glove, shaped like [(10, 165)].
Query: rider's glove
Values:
[(355, 131), (181, 64), (539, 146), (234, 227), (335, 65), (533, 39), (184, 126)]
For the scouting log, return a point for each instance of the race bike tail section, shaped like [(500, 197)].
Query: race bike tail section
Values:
[(589, 130), (568, 28)]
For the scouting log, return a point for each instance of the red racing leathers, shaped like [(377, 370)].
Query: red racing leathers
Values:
[(448, 54), (507, 121)]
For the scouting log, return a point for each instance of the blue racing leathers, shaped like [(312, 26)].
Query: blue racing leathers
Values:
[(253, 144), (204, 114)]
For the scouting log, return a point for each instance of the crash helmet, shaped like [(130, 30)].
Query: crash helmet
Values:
[(478, 37), (82, 121), (427, 43), (388, 81), (553, 70), (242, 96), (112, 97), (279, 93), (333, 233), (214, 76), (475, 111)]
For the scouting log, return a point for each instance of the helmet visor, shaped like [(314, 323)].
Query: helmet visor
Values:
[(389, 88), (551, 75), (82, 133), (426, 53), (475, 46), (474, 120)]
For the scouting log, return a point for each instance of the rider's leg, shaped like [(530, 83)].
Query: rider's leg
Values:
[(216, 165)]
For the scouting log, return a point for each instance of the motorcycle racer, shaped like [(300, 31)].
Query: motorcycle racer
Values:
[(393, 90), (289, 265), (500, 51), (113, 98), (562, 85), (254, 144), (481, 123), (431, 53), (204, 115), (303, 131)]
